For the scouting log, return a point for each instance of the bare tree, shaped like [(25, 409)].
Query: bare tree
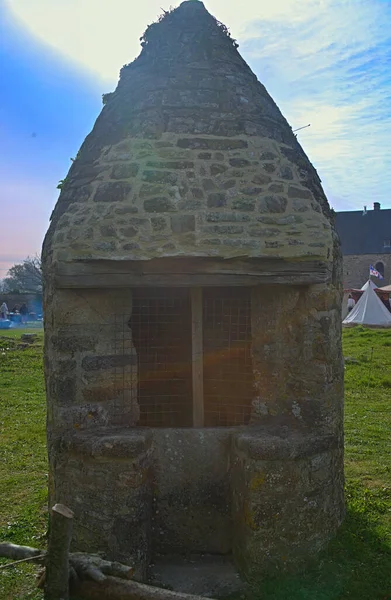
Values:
[(25, 276)]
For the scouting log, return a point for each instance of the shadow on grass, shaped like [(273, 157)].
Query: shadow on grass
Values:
[(356, 565)]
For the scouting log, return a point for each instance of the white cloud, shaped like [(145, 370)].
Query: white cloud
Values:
[(325, 62)]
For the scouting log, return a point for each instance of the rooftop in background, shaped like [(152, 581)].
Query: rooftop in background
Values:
[(365, 231)]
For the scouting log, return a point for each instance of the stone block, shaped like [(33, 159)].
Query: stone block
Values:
[(267, 156), (217, 169), (243, 204), (147, 190), (158, 223), (208, 185), (228, 184), (159, 205), (251, 191), (273, 204), (70, 345), (171, 164), (296, 192), (286, 172), (113, 361), (105, 246), (112, 192), (126, 210), (131, 246), (217, 200), (124, 171), (224, 229), (256, 230), (276, 188), (211, 143), (108, 231), (160, 177), (239, 162), (182, 223), (300, 205), (261, 179), (129, 232), (197, 193), (274, 244), (221, 217)]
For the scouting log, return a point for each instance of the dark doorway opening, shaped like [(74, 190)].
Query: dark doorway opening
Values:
[(228, 374), (161, 326), (184, 381)]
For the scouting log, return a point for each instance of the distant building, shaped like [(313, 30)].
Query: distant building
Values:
[(366, 240)]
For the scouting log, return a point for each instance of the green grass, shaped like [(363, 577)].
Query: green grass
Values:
[(23, 462), (357, 564)]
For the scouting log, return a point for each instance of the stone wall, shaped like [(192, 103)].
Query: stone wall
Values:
[(270, 493), (192, 196), (356, 269)]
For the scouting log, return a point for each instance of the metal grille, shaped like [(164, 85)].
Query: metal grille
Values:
[(228, 374), (161, 328)]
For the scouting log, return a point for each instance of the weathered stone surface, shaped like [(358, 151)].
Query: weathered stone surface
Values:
[(224, 229), (112, 192), (182, 223), (295, 192), (251, 191), (261, 179), (126, 210), (97, 363), (220, 217), (108, 231), (208, 184), (153, 205), (160, 177), (124, 171), (197, 193), (273, 204), (286, 173), (129, 231), (158, 223), (212, 144), (276, 187), (171, 164), (239, 162), (217, 200), (243, 204), (217, 169), (230, 183)]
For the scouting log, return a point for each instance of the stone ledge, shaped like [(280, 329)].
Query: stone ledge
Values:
[(282, 444), (110, 443)]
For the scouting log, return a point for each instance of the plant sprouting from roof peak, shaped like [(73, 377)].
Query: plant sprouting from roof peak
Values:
[(169, 17)]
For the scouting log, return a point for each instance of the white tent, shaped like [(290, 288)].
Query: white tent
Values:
[(369, 310)]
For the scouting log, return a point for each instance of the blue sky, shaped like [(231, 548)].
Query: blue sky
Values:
[(325, 62)]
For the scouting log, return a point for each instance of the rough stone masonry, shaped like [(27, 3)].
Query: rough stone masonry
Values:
[(189, 164)]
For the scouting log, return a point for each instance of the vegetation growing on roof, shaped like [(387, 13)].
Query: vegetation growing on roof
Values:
[(169, 17)]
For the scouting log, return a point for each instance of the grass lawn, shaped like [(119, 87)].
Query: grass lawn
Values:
[(357, 564)]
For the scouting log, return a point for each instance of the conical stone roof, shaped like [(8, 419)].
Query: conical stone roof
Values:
[(190, 156)]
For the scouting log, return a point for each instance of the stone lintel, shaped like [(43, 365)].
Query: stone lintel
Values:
[(189, 272)]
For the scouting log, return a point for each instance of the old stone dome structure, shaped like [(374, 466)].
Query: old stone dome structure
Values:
[(192, 318)]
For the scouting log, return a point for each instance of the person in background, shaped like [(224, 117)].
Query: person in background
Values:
[(24, 311), (4, 311), (351, 303)]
